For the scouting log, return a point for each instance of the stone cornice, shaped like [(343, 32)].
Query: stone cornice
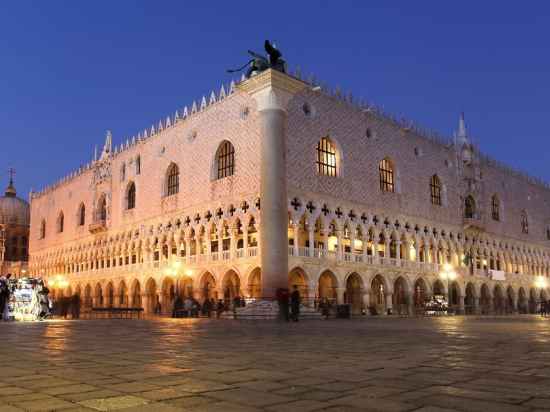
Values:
[(272, 79)]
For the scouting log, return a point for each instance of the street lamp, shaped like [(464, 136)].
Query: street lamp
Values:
[(449, 274), (540, 282)]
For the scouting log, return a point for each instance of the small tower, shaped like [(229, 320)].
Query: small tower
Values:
[(107, 148), (463, 144)]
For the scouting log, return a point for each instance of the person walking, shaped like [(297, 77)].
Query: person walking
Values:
[(295, 300)]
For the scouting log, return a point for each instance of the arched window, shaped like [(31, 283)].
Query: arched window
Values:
[(469, 207), (548, 233), (82, 215), (131, 196), (524, 222), (172, 180), (225, 160), (138, 165), (60, 222), (327, 162), (387, 180), (42, 229), (495, 208), (435, 190), (102, 209)]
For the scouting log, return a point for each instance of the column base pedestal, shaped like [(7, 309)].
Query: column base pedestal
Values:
[(267, 310)]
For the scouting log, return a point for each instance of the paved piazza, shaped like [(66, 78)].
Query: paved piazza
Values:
[(391, 364)]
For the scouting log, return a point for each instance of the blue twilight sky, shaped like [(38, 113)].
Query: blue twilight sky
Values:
[(69, 70)]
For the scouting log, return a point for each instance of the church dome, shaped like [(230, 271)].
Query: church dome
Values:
[(13, 210)]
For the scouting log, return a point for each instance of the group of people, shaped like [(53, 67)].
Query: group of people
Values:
[(545, 308), (23, 299), (289, 304), (190, 307)]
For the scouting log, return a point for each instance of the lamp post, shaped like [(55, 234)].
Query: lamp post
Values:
[(449, 274)]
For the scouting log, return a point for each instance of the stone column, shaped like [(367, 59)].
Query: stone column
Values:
[(245, 241), (272, 91), (339, 245), (296, 231), (187, 248), (340, 296), (366, 302), (398, 250), (311, 238), (389, 303), (461, 305), (477, 308)]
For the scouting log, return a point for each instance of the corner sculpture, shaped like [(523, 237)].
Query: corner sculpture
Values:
[(260, 63)]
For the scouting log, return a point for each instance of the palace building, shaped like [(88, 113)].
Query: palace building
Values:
[(276, 181)]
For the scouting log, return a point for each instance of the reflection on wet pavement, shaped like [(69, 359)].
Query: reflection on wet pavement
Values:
[(396, 364)]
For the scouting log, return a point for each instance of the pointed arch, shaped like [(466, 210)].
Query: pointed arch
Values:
[(81, 214), (469, 207), (386, 170), (328, 158), (524, 222), (102, 208), (225, 160), (435, 190), (130, 196), (495, 207), (60, 222), (172, 180), (42, 233)]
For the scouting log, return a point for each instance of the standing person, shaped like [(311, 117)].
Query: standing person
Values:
[(5, 313), (325, 308), (75, 306), (3, 296), (282, 300), (295, 301), (220, 308), (158, 307)]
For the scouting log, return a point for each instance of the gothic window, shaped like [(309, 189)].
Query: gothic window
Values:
[(102, 209), (123, 172), (435, 190), (469, 207), (387, 180), (81, 215), (42, 229), (225, 160), (60, 222), (495, 208), (172, 180), (131, 196), (524, 222), (548, 233), (138, 165), (326, 158)]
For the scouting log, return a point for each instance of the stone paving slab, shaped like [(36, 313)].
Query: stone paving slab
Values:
[(406, 364)]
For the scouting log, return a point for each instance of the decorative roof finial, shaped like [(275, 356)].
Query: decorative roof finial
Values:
[(108, 147), (10, 190), (462, 133)]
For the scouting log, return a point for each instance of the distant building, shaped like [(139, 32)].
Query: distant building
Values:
[(14, 233), (276, 182)]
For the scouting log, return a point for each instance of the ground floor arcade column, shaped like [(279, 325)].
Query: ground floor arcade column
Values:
[(272, 91)]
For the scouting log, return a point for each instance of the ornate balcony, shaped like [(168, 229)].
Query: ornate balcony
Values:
[(98, 226)]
